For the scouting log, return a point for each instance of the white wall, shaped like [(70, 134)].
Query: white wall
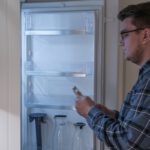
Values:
[(111, 53), (9, 75)]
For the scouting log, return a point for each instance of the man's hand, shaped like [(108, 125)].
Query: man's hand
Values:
[(84, 104)]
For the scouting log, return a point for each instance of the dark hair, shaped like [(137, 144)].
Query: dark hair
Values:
[(139, 13)]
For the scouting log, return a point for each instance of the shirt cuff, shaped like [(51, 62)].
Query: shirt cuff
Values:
[(116, 114), (92, 114)]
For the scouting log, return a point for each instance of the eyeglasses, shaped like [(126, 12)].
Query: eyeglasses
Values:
[(124, 34)]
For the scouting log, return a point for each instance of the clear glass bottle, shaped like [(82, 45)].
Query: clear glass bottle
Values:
[(78, 143), (59, 133)]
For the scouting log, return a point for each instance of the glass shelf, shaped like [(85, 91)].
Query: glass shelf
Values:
[(57, 32), (57, 74), (38, 105)]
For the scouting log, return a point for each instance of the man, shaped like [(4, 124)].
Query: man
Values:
[(128, 129)]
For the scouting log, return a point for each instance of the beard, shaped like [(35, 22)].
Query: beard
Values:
[(136, 56)]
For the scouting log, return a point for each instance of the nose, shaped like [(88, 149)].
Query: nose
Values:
[(121, 42)]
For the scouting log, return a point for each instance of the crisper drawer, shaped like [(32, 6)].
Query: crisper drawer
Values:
[(56, 91)]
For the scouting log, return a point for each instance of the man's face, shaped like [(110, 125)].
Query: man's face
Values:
[(130, 41)]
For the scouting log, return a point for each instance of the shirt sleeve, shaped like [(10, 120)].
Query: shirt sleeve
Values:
[(133, 131), (104, 127), (121, 135)]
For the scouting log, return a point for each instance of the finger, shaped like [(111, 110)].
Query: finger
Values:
[(78, 98), (76, 91), (78, 94)]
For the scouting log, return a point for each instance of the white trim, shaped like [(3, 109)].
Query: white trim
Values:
[(62, 4)]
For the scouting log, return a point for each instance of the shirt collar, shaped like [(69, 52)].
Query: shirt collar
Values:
[(144, 68)]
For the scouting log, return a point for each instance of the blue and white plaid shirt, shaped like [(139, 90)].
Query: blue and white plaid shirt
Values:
[(131, 128)]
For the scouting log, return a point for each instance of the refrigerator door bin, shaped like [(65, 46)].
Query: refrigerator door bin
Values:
[(52, 125)]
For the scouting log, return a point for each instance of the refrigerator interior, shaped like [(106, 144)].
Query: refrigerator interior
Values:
[(58, 53)]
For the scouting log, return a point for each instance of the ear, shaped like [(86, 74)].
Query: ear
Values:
[(146, 35)]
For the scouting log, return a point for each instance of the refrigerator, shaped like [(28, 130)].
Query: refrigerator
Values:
[(62, 47)]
